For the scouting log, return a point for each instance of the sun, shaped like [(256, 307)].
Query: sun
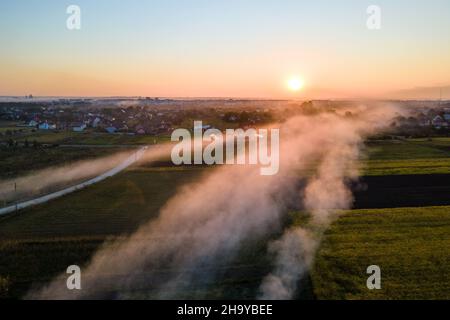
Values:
[(295, 83)]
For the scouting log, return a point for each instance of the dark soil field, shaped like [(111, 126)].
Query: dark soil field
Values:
[(390, 191)]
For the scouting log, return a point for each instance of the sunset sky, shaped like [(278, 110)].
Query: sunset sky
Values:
[(226, 48)]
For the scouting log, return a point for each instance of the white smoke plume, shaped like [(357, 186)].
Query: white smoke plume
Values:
[(294, 252), (325, 192), (205, 223)]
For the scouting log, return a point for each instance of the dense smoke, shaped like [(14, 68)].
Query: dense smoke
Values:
[(206, 222), (326, 191), (294, 252)]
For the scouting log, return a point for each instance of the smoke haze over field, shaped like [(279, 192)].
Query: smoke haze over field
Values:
[(205, 223), (45, 179), (55, 178)]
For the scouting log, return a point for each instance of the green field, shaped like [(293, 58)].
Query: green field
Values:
[(69, 229), (90, 138), (21, 161), (409, 244), (111, 207), (12, 126), (412, 156)]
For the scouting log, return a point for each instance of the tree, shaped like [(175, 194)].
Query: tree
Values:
[(4, 287), (308, 108)]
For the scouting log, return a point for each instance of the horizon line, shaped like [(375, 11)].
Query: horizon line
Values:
[(214, 98)]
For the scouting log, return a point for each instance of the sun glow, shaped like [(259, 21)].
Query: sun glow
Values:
[(295, 83)]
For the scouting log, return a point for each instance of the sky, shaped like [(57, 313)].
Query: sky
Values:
[(226, 48)]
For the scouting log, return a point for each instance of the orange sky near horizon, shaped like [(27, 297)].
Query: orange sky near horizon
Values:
[(214, 54)]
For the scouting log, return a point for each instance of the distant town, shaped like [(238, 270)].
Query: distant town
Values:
[(159, 117)]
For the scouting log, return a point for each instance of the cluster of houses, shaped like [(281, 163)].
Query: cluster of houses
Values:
[(138, 119), (438, 118), (146, 116), (49, 125), (113, 120)]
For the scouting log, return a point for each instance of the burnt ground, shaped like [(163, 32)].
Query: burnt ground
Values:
[(402, 191)]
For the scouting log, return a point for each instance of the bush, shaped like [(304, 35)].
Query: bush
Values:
[(4, 286)]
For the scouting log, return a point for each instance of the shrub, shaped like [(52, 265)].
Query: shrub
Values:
[(4, 286)]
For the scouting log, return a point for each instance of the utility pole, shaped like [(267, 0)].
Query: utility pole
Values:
[(15, 194)]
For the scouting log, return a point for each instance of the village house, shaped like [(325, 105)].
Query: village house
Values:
[(111, 129), (78, 127), (32, 123), (140, 129), (96, 122), (447, 117), (439, 122), (46, 126)]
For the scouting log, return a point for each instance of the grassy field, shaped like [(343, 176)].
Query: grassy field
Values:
[(398, 167), (12, 126), (20, 161), (411, 246), (69, 229), (408, 149), (112, 207), (412, 156), (408, 243), (89, 138), (392, 157)]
